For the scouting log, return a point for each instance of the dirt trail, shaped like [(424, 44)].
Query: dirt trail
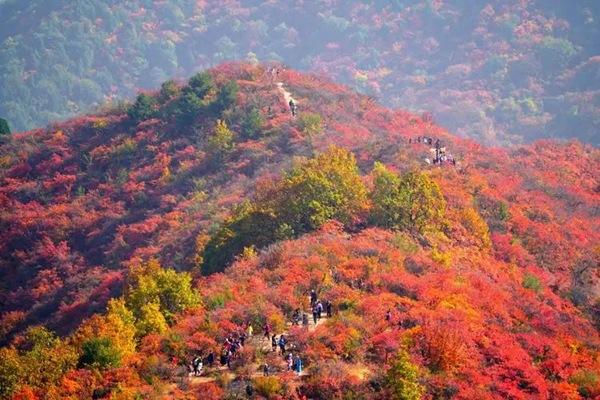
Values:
[(286, 95)]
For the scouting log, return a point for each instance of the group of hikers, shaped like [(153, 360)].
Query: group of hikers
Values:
[(236, 340), (439, 151), (231, 346)]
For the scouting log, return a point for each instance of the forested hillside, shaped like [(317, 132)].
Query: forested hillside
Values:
[(137, 241), (495, 70)]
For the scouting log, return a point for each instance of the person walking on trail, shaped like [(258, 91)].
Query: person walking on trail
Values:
[(210, 359), (242, 339), (267, 330), (265, 369), (329, 308), (282, 343), (315, 313), (250, 330), (319, 309), (274, 342), (197, 366), (292, 107), (298, 364), (313, 297), (304, 319), (290, 361)]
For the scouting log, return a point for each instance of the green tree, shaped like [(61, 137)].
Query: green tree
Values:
[(402, 379), (150, 285), (187, 107), (45, 358), (250, 225), (252, 124), (169, 90), (322, 188), (4, 128), (226, 97), (310, 124), (413, 201), (311, 193), (143, 108), (99, 353), (200, 84), (385, 197)]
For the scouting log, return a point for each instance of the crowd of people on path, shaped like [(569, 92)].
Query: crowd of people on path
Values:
[(235, 341), (440, 155), (231, 347)]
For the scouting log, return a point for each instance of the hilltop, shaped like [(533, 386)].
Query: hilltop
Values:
[(206, 206), (498, 71)]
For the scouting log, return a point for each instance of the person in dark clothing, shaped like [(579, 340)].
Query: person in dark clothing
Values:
[(267, 330), (274, 342), (313, 297), (242, 339), (249, 390), (315, 313), (265, 369), (329, 308), (210, 359), (388, 315), (292, 107), (282, 343), (304, 319)]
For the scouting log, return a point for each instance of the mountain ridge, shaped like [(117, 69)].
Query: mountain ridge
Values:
[(93, 206)]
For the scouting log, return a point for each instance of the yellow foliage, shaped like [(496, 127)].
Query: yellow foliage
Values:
[(442, 257), (100, 123), (473, 222)]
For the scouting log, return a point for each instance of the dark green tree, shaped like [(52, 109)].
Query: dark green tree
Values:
[(226, 97), (144, 108), (252, 124), (200, 84), (4, 128)]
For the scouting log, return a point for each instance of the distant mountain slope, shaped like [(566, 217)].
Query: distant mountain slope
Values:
[(496, 71)]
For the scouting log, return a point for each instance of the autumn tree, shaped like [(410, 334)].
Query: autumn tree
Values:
[(220, 142), (117, 326), (38, 361), (322, 188), (402, 379), (413, 201), (152, 288)]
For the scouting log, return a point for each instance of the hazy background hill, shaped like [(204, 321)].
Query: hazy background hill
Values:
[(498, 71)]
